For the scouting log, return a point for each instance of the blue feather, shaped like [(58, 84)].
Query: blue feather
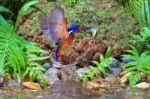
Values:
[(57, 44), (73, 28)]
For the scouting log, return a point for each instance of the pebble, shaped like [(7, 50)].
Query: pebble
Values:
[(47, 66), (13, 83), (143, 85), (81, 71), (32, 85)]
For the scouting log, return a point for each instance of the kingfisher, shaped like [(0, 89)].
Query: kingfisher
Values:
[(54, 27)]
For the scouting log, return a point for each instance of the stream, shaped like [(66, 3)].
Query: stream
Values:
[(72, 90)]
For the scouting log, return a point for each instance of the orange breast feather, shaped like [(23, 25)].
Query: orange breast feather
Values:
[(65, 44)]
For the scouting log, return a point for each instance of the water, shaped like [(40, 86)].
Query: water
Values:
[(73, 90)]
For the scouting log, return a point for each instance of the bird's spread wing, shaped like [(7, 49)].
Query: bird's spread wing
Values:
[(54, 26)]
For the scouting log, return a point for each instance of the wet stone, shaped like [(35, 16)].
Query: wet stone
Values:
[(47, 66), (124, 79), (112, 80), (32, 85), (115, 63), (69, 71), (81, 71), (148, 78), (143, 85), (51, 76), (13, 83), (126, 60)]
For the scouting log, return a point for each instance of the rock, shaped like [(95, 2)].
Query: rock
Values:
[(51, 76), (97, 83), (91, 85), (81, 71), (112, 80), (47, 66), (1, 81), (115, 63), (13, 83), (63, 75), (55, 64), (143, 76), (115, 72), (148, 78), (105, 85), (126, 60), (124, 79), (69, 71), (143, 85), (32, 85), (115, 69)]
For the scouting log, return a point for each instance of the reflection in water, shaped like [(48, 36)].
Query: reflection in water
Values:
[(128, 93), (73, 90)]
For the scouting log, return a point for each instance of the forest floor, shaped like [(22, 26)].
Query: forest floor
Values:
[(114, 26)]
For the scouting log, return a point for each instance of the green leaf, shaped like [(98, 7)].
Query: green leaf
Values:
[(23, 10), (130, 69), (108, 53), (33, 57), (147, 12), (102, 70), (134, 78), (143, 15), (10, 51), (102, 59), (96, 63), (34, 48), (4, 9)]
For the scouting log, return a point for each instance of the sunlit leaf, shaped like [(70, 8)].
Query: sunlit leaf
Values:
[(23, 10), (134, 78)]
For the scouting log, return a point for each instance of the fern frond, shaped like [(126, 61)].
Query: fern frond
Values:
[(34, 68), (139, 8), (10, 52), (92, 73), (131, 5)]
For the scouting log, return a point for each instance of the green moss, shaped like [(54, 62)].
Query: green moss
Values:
[(90, 12)]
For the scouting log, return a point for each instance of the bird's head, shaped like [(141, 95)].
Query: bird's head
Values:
[(77, 27), (74, 28)]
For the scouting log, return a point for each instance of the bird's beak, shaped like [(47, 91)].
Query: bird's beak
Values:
[(81, 28), (91, 29)]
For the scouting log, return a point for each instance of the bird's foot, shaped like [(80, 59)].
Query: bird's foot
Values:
[(55, 64)]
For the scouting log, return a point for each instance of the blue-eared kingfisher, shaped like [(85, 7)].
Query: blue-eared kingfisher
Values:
[(54, 27)]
